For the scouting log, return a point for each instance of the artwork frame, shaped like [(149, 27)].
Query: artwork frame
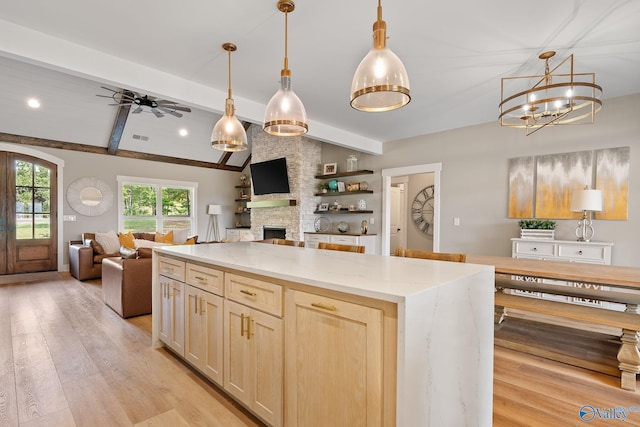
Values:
[(323, 207), (330, 169)]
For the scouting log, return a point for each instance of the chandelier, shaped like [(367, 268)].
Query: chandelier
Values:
[(559, 97)]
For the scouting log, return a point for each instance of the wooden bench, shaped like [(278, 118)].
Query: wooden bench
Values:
[(624, 288)]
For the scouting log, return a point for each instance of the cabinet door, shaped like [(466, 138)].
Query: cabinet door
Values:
[(193, 328), (265, 338), (236, 351), (212, 314), (253, 360), (164, 323), (333, 362), (176, 294)]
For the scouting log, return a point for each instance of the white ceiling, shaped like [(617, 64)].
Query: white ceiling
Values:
[(455, 54)]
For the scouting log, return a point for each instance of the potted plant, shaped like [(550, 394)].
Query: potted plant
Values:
[(323, 187), (537, 228)]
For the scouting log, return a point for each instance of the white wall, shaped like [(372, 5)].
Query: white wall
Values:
[(214, 187), (474, 179)]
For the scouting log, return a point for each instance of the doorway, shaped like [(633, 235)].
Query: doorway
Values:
[(396, 175), (28, 214)]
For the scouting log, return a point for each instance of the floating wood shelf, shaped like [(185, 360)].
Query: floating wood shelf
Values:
[(342, 193), (342, 212), (343, 174)]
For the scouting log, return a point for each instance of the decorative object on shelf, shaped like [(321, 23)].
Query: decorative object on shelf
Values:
[(213, 233), (323, 187), (341, 187), (376, 91), (343, 226), (228, 133), (330, 168), (364, 186), (239, 209), (333, 185), (352, 208), (322, 207), (243, 179), (285, 114), (586, 201), (352, 163), (353, 186), (537, 228), (422, 209), (90, 196), (364, 226), (558, 97), (362, 205), (322, 224)]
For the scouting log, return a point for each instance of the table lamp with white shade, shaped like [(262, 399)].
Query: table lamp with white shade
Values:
[(213, 233), (586, 201)]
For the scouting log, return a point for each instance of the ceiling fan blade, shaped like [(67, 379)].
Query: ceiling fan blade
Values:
[(174, 106), (105, 96), (175, 114), (109, 89), (170, 110), (137, 110), (157, 113)]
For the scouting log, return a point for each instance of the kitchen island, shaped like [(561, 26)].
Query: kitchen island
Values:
[(306, 337)]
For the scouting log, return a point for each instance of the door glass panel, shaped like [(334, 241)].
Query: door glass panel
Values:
[(24, 200), (42, 226), (33, 201), (24, 174), (24, 226)]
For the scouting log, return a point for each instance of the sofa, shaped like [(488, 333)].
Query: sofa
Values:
[(86, 255), (126, 285)]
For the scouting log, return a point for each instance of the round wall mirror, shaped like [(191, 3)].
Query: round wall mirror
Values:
[(89, 196)]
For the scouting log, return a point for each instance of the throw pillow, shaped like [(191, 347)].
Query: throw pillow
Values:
[(126, 240), (190, 241), (144, 243), (109, 241), (180, 235), (164, 238), (97, 247)]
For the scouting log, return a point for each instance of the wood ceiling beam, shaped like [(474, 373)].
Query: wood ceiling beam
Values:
[(118, 125), (62, 145)]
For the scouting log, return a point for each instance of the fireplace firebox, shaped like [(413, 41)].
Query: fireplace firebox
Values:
[(274, 232)]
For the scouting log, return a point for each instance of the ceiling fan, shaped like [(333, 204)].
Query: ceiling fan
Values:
[(159, 107)]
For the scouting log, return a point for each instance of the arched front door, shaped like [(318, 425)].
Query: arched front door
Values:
[(28, 214)]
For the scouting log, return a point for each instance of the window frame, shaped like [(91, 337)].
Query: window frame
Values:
[(159, 184)]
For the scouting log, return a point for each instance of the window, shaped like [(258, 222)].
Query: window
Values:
[(33, 201), (149, 205)]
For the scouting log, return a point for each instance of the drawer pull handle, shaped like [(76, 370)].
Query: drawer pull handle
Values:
[(195, 306), (579, 252), (535, 249), (202, 279), (201, 310), (252, 294), (323, 306)]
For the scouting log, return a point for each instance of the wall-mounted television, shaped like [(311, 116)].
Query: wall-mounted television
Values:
[(270, 177)]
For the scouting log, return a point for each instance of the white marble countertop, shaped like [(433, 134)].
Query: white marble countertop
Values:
[(385, 278)]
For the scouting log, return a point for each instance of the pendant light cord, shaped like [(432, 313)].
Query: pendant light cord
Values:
[(229, 69), (286, 42)]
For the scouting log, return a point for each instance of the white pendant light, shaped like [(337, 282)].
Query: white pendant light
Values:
[(285, 114), (381, 82), (229, 134)]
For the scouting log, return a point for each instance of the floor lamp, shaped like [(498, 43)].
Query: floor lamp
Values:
[(212, 231)]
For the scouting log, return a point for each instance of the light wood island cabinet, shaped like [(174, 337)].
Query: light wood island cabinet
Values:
[(316, 338)]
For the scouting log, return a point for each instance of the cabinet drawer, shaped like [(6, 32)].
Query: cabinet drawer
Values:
[(579, 252), (254, 293), (172, 268), (205, 278), (535, 248), (344, 240), (316, 238)]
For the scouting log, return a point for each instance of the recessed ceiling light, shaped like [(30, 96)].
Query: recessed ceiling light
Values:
[(183, 132), (33, 103)]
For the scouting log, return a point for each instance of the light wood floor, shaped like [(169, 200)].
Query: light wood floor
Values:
[(68, 360)]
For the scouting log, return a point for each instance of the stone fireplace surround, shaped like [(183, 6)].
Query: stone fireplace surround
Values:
[(303, 157)]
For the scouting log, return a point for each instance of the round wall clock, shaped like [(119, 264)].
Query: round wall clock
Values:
[(422, 210)]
